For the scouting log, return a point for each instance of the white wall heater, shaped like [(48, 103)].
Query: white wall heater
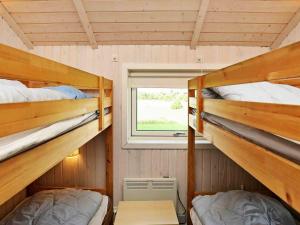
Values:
[(146, 189)]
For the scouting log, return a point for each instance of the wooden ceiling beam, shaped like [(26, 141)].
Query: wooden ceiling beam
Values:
[(199, 22), (85, 22), (14, 26), (294, 21)]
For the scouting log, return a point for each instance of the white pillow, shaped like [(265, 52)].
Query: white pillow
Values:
[(261, 92), (13, 83)]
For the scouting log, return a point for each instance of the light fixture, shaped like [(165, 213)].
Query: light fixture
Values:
[(74, 154)]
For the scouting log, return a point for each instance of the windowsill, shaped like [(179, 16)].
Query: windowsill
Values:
[(166, 143)]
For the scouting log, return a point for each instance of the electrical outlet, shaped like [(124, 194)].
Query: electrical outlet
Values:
[(115, 58), (199, 59)]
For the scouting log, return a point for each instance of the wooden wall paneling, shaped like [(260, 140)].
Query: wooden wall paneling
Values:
[(216, 172), (82, 166), (292, 37), (172, 163), (206, 167), (164, 163), (12, 203), (181, 173), (84, 170), (146, 161), (91, 155), (222, 162), (9, 37), (155, 163), (199, 170)]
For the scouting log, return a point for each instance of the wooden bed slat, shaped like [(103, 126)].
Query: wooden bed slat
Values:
[(32, 189), (293, 82), (17, 117), (20, 65), (272, 66), (107, 102), (259, 115), (280, 175), (19, 171), (107, 121)]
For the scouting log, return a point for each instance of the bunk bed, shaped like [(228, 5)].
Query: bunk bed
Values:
[(22, 167), (276, 170)]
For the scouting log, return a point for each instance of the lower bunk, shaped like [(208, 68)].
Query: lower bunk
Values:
[(239, 207), (62, 206)]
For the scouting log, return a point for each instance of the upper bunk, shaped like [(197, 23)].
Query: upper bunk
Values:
[(232, 124), (17, 119)]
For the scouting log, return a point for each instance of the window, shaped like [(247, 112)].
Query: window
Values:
[(159, 112), (154, 104)]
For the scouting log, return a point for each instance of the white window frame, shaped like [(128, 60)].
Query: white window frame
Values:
[(130, 141)]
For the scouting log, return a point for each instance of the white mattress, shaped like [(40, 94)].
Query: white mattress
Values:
[(17, 143), (14, 92), (96, 220), (260, 92), (194, 217), (101, 212)]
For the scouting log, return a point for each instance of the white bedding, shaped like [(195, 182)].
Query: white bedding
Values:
[(14, 94), (261, 92), (194, 217), (101, 212), (17, 143)]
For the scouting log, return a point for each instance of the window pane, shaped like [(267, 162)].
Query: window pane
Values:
[(161, 109)]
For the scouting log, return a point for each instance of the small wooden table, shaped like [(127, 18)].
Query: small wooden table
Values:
[(146, 213)]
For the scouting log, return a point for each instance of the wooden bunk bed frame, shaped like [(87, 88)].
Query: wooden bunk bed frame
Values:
[(18, 172), (278, 174)]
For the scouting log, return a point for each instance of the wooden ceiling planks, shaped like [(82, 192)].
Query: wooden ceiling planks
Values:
[(227, 22), (287, 29)]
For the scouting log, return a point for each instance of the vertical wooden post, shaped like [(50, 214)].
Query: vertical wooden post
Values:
[(191, 170), (195, 90), (101, 100), (109, 149), (199, 104), (191, 158), (109, 162)]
